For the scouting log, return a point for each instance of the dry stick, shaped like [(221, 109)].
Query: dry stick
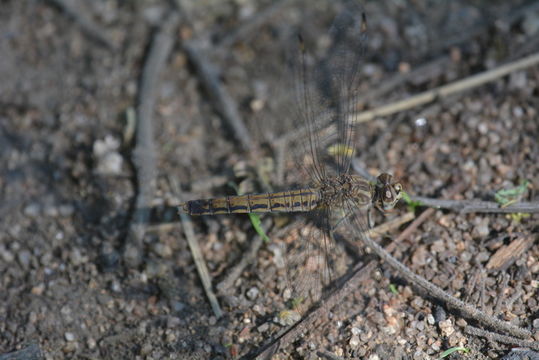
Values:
[(504, 339), (469, 206), (440, 294), (85, 23), (198, 259), (446, 90), (200, 264), (359, 274), (30, 352), (421, 99), (421, 218), (236, 271), (144, 152), (391, 224), (221, 99)]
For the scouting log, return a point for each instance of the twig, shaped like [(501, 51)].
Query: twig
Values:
[(144, 152), (392, 224), (446, 90), (236, 271), (85, 23), (30, 352), (221, 99), (441, 295), (504, 339), (358, 275), (198, 259), (200, 264), (469, 206), (421, 218)]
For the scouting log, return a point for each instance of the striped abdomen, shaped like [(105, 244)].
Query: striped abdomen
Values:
[(284, 201)]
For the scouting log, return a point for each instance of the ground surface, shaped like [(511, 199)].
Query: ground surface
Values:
[(68, 187)]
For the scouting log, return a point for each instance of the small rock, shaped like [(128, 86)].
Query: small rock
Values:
[(288, 317), (146, 349), (115, 286), (252, 293), (69, 336), (51, 210), (177, 306), (76, 257), (66, 210), (70, 347), (38, 289), (530, 25), (162, 250), (109, 160), (354, 341), (171, 337), (32, 210), (446, 327), (481, 229), (263, 328), (24, 258), (7, 255)]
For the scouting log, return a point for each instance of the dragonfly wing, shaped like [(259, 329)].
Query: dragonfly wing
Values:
[(313, 260), (326, 92)]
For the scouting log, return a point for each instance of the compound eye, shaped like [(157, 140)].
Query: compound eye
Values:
[(398, 188)]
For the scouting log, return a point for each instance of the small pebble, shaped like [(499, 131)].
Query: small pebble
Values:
[(354, 341), (32, 210), (51, 210), (171, 337), (24, 258), (288, 317), (252, 293), (145, 349), (7, 255), (38, 289), (446, 327), (177, 306), (70, 347), (263, 328), (162, 250), (66, 210), (69, 336)]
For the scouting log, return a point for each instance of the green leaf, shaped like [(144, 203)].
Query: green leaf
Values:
[(255, 218), (452, 350), (412, 205), (393, 289), (506, 197)]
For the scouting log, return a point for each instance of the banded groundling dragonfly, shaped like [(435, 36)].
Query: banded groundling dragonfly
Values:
[(325, 93)]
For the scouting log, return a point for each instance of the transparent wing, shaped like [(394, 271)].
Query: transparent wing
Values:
[(313, 260), (326, 80)]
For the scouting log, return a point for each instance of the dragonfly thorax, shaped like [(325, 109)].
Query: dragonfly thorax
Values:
[(335, 191)]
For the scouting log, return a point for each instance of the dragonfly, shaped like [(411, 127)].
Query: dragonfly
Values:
[(325, 96)]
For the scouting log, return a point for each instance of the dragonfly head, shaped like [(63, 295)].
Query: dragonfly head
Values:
[(386, 193)]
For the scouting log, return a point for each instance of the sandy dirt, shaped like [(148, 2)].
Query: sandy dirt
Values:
[(70, 82)]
